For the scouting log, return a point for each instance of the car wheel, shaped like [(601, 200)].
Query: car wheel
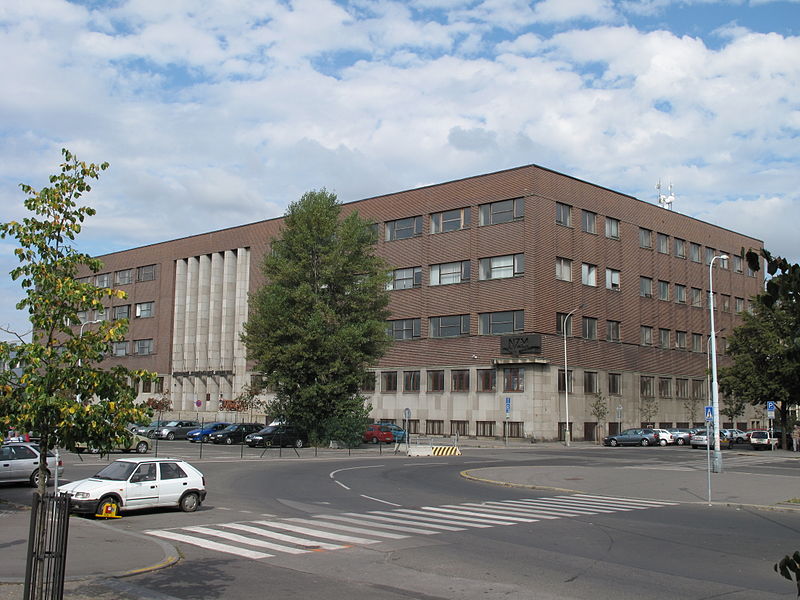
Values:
[(229, 441), (644, 442), (170, 436), (190, 502), (680, 442), (740, 440), (107, 505), (205, 439), (94, 450), (612, 442), (662, 442), (35, 478), (151, 435), (298, 443), (142, 447), (374, 440)]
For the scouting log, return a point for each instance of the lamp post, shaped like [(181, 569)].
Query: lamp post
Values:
[(717, 463), (566, 375)]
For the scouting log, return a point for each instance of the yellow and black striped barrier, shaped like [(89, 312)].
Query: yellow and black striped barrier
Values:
[(446, 451)]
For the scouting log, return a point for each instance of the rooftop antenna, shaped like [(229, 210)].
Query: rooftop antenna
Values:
[(665, 200)]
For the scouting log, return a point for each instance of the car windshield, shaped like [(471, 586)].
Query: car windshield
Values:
[(171, 424), (758, 434), (116, 471), (270, 429), (230, 428)]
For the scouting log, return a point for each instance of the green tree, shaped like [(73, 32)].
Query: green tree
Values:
[(599, 410), (59, 365), (733, 407), (649, 409), (319, 321)]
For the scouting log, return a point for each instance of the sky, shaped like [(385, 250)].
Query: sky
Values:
[(216, 113)]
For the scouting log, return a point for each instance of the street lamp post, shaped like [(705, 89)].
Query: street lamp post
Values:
[(717, 463), (566, 375)]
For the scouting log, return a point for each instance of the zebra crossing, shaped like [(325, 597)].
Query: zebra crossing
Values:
[(261, 539), (697, 462)]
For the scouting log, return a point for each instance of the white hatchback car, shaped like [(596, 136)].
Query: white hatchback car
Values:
[(664, 437), (137, 482)]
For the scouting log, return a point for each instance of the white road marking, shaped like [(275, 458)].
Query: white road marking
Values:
[(208, 544)]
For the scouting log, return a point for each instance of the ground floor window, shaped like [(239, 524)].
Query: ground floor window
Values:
[(513, 379), (512, 429), (459, 427), (434, 427), (484, 428), (413, 425)]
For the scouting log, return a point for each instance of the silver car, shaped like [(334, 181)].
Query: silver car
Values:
[(176, 430), (19, 461)]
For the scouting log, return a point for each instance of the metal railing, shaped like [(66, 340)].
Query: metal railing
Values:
[(47, 547)]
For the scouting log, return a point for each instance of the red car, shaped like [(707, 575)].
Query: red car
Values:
[(378, 433)]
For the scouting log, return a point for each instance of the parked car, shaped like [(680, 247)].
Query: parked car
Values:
[(137, 482), (150, 430), (736, 436), (202, 434), (398, 432), (277, 435), (761, 440), (682, 435), (632, 437), (376, 433), (176, 430), (700, 440), (234, 434), (131, 441), (664, 437), (19, 461)]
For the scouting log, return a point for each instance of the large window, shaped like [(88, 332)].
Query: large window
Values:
[(449, 326), (447, 273), (737, 263), (680, 340), (612, 279), (665, 387), (123, 277), (697, 342), (645, 287), (145, 310), (589, 221), (613, 331), (513, 379), (615, 383), (646, 386), (403, 279), (484, 428), (436, 381), (410, 381), (561, 385), (694, 252), (103, 281), (146, 273), (501, 267), (563, 324), (680, 248), (119, 348), (502, 212), (389, 381), (434, 427), (590, 382), (662, 243), (509, 321), (122, 312), (646, 335), (563, 269), (663, 339), (612, 228), (663, 290), (710, 252), (404, 329), (697, 297), (682, 388), (645, 238), (699, 389), (563, 214), (589, 328), (487, 380), (459, 380), (403, 228), (450, 220), (589, 274), (144, 347), (680, 293)]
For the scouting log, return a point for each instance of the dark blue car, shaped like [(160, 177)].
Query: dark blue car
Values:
[(202, 434)]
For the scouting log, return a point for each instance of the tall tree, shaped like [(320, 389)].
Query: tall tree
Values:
[(319, 321), (59, 365)]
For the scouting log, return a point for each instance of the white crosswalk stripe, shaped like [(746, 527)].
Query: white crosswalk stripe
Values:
[(336, 531)]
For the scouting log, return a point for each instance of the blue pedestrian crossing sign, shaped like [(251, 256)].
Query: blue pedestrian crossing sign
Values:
[(709, 413)]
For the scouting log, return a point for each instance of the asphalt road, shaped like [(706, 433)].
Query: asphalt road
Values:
[(519, 543)]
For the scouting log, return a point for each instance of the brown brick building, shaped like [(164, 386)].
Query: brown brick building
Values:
[(483, 262)]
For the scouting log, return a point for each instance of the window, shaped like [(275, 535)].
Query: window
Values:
[(502, 212), (726, 303), (750, 272), (389, 381), (680, 248), (459, 427), (404, 279), (170, 470), (663, 339), (694, 252), (697, 342), (697, 297), (508, 321), (146, 273), (613, 331), (665, 387), (101, 313), (680, 293), (646, 335), (487, 380), (123, 277), (484, 428), (737, 263), (589, 274), (590, 382), (563, 269), (368, 383), (147, 386), (682, 388), (513, 379), (645, 238), (450, 220), (122, 312), (119, 348), (563, 214), (561, 386), (144, 310), (403, 228), (436, 381), (158, 385), (513, 429), (698, 389), (144, 347), (459, 380), (723, 262), (447, 273), (662, 243), (710, 252), (404, 329), (663, 290), (410, 381), (589, 221), (434, 427), (645, 287), (612, 228), (612, 279), (102, 281), (563, 324), (646, 386), (739, 304), (449, 326), (501, 267), (680, 340), (589, 329), (615, 383)]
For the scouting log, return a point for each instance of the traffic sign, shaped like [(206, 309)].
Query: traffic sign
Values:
[(771, 405), (508, 405), (709, 413)]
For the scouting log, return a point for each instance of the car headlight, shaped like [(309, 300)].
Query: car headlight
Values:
[(81, 495)]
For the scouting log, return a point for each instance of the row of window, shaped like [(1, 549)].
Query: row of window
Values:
[(495, 323), (140, 348), (512, 429), (122, 277), (141, 310), (494, 267), (491, 213)]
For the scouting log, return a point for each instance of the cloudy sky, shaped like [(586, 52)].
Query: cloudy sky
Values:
[(215, 113)]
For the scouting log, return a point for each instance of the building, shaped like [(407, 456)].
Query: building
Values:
[(486, 271)]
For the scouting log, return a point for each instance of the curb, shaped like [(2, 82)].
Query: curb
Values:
[(468, 475)]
